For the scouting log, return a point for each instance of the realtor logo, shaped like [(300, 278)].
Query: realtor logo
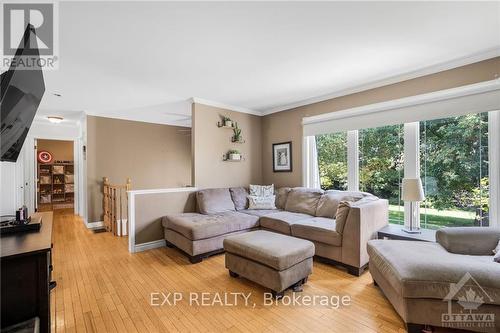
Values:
[(469, 297), (43, 17)]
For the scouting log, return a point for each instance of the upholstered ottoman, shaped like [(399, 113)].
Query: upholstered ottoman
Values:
[(270, 259)]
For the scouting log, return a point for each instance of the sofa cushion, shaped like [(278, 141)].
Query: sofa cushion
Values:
[(427, 270), (214, 200), (239, 197), (468, 240), (196, 226), (303, 200), (259, 212), (318, 229), (281, 196), (281, 221), (271, 249), (341, 216), (497, 253), (329, 201)]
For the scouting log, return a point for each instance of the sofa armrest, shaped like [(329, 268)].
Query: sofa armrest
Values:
[(362, 224), (469, 240)]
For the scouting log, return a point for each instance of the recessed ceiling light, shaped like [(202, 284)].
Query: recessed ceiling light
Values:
[(54, 119)]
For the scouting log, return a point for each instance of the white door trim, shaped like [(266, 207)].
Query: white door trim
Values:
[(71, 132)]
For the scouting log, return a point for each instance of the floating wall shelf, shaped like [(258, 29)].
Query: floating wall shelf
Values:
[(219, 125)]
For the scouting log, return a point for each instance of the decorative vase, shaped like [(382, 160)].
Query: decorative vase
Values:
[(235, 157), (228, 123)]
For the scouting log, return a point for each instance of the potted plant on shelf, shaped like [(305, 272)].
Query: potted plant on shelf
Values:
[(233, 155), (227, 121), (236, 133)]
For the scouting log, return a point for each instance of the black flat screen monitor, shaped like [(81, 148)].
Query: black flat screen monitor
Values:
[(21, 93)]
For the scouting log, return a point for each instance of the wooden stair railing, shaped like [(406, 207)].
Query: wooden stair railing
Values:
[(115, 205)]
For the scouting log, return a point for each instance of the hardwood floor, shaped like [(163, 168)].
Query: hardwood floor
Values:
[(103, 288)]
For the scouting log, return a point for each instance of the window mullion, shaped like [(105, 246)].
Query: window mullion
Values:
[(494, 166), (353, 160), (412, 163)]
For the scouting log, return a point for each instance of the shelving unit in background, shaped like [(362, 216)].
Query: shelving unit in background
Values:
[(55, 186)]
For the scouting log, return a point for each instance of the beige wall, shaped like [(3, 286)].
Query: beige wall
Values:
[(286, 125), (150, 208), (211, 142), (152, 155), (60, 150)]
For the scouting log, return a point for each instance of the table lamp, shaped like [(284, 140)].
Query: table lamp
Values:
[(412, 193)]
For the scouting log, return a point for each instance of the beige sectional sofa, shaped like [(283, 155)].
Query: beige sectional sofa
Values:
[(339, 223)]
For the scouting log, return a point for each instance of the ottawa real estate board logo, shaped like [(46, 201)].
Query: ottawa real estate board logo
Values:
[(42, 51), (464, 305)]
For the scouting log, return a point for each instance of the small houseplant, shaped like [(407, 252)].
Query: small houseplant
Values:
[(234, 155), (227, 121), (236, 133)]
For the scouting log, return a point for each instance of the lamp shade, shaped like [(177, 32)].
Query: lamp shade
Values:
[(412, 190)]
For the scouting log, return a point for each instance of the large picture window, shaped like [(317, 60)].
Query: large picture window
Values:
[(454, 171), (381, 166), (452, 158), (332, 160)]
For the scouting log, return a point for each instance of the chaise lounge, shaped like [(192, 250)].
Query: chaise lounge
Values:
[(339, 223), (427, 283)]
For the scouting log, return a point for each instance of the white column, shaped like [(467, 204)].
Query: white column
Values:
[(353, 160), (412, 163), (494, 166)]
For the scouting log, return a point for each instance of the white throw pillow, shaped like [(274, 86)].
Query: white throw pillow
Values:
[(258, 202), (497, 253), (262, 190)]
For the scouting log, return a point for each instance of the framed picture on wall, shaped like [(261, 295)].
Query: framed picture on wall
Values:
[(282, 157)]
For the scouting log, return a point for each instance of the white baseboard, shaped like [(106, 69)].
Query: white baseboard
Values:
[(93, 225), (149, 245)]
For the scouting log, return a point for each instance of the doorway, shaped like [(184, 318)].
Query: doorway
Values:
[(55, 175)]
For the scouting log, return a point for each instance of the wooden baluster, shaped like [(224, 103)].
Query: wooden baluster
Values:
[(106, 202), (110, 209), (113, 222), (128, 187), (121, 216), (113, 200)]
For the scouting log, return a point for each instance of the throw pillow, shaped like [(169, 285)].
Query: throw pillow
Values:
[(259, 202), (239, 196), (496, 258), (214, 201), (262, 190), (303, 200)]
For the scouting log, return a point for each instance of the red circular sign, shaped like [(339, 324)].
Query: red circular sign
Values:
[(44, 157)]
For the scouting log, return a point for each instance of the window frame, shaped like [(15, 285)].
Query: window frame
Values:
[(411, 144)]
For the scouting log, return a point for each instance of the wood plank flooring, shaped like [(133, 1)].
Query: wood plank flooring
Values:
[(103, 288)]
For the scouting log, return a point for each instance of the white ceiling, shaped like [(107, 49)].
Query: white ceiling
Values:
[(145, 60)]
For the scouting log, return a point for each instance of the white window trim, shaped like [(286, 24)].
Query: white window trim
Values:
[(411, 143), (494, 166)]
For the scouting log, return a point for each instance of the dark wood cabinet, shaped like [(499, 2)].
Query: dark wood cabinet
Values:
[(26, 267)]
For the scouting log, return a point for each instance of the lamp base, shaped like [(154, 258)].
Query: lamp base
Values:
[(412, 231)]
